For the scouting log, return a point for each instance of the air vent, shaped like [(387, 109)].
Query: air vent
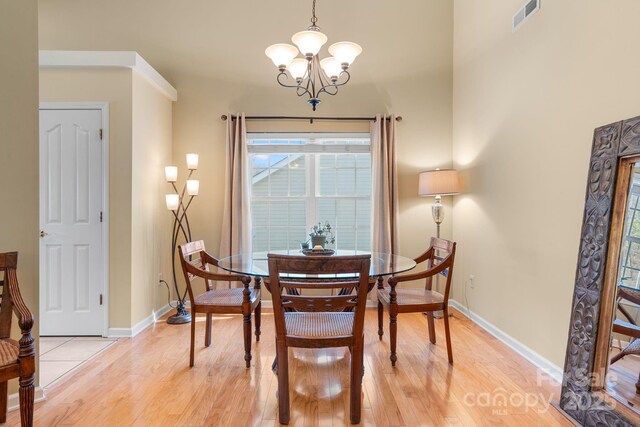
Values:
[(521, 16)]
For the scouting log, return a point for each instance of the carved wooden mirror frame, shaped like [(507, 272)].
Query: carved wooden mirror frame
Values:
[(579, 397)]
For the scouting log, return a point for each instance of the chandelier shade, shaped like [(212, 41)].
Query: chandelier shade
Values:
[(332, 67), (345, 52), (313, 76), (298, 68), (281, 54), (309, 42)]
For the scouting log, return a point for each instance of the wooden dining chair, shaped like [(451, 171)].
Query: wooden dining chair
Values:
[(629, 328), (319, 321), (439, 258), (17, 359), (196, 263)]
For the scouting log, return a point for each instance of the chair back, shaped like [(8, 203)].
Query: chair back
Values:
[(8, 266), (289, 274), (441, 253), (195, 260), (629, 294)]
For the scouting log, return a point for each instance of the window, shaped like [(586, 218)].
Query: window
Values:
[(301, 180), (630, 254)]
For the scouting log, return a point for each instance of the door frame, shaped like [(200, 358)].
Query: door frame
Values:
[(104, 108)]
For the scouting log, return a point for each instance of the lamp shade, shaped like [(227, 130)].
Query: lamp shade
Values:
[(298, 68), (309, 42), (331, 67), (345, 52), (192, 161), (171, 173), (172, 201), (281, 54), (193, 187), (439, 183)]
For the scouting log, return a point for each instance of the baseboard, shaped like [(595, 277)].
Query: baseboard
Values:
[(13, 401), (140, 326), (539, 361)]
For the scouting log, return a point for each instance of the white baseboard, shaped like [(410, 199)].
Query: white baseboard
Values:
[(539, 361), (13, 402), (140, 326)]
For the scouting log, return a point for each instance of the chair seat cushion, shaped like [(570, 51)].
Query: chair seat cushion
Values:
[(319, 324), (411, 296), (225, 297), (9, 350)]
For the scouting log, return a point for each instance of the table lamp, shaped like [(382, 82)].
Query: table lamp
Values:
[(439, 182)]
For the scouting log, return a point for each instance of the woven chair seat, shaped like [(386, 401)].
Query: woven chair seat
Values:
[(226, 297), (632, 348), (411, 296), (319, 325), (9, 350)]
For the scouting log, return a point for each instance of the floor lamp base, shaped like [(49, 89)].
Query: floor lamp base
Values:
[(181, 316)]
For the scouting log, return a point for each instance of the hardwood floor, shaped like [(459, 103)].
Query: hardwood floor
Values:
[(622, 379), (146, 381)]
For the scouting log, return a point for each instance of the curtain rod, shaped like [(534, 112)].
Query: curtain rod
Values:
[(311, 119)]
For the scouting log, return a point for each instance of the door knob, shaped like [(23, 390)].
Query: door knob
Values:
[(43, 233)]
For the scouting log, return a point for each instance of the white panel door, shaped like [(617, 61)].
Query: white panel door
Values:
[(71, 251)]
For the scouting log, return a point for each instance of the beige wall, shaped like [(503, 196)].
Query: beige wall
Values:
[(19, 146), (213, 53), (139, 146), (115, 87), (525, 107), (150, 222)]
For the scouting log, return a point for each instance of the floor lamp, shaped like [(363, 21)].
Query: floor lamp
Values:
[(438, 183), (176, 204)]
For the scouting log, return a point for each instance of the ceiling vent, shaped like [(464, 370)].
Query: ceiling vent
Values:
[(521, 16)]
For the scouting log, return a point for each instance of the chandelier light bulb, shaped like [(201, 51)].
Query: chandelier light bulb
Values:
[(345, 52), (193, 187), (173, 201), (331, 67), (192, 161), (298, 68), (281, 54), (309, 41), (171, 173)]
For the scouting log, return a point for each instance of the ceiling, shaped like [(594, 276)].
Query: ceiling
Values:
[(226, 40)]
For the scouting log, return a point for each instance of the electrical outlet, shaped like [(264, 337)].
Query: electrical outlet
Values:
[(472, 281)]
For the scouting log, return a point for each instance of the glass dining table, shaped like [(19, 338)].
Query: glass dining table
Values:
[(256, 263)]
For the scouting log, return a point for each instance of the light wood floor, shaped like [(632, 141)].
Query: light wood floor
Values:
[(622, 384), (146, 381)]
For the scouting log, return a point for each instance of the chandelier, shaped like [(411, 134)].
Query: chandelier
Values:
[(312, 75)]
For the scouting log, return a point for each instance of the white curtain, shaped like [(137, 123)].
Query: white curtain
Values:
[(236, 221), (384, 177)]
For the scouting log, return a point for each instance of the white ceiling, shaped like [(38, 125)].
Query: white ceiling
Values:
[(226, 39)]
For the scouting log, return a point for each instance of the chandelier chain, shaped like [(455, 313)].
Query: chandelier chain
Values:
[(314, 20)]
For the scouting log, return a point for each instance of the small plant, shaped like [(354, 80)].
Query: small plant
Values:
[(320, 235)]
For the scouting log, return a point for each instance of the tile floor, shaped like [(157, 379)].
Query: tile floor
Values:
[(61, 355)]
